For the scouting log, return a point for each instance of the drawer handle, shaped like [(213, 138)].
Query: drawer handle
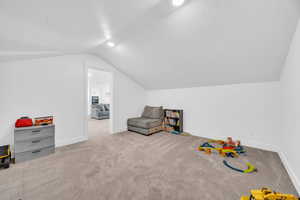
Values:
[(36, 131), (37, 151), (36, 141)]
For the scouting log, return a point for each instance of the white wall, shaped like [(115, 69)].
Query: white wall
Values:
[(57, 86), (249, 112), (290, 83)]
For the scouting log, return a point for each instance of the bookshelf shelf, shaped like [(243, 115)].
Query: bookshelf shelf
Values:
[(173, 117)]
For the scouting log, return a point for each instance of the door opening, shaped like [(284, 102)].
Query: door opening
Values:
[(99, 102)]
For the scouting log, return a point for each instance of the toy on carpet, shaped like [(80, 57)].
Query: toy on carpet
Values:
[(250, 168), (220, 142), (5, 156), (266, 194), (207, 145), (229, 148), (223, 152), (229, 143), (235, 145)]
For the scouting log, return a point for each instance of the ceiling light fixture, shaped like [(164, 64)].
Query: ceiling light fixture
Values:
[(111, 44), (177, 3)]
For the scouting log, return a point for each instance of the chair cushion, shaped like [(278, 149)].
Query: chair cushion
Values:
[(153, 112), (144, 122), (97, 107)]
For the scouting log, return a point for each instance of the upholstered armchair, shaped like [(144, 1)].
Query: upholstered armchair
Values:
[(100, 111), (149, 123)]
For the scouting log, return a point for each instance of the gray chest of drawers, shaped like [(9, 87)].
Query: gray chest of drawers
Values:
[(33, 142)]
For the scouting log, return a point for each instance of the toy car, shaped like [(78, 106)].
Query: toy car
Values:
[(266, 194), (40, 121)]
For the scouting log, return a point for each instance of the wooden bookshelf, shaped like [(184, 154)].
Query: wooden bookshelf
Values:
[(173, 121)]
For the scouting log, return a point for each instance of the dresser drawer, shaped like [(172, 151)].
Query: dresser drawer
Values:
[(29, 155), (32, 134), (30, 145)]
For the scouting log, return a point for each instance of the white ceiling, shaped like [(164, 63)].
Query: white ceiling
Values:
[(205, 42), (63, 25)]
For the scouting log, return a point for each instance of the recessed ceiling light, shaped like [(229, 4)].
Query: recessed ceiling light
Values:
[(177, 3), (107, 36), (111, 44)]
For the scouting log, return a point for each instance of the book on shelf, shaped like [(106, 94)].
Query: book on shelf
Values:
[(173, 114)]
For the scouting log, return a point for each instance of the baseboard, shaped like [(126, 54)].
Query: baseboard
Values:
[(290, 171), (60, 143), (260, 145)]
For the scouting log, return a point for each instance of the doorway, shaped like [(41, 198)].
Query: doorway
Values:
[(99, 102)]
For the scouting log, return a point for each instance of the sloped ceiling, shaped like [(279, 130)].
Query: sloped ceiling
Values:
[(204, 42), (64, 25)]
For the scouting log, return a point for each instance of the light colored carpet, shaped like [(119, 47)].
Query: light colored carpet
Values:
[(98, 127), (129, 166)]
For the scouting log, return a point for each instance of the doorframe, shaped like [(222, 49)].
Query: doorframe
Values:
[(86, 102)]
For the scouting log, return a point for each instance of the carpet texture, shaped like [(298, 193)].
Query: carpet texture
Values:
[(129, 166)]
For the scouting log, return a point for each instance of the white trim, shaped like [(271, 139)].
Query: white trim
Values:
[(70, 141), (260, 145), (290, 170), (86, 112)]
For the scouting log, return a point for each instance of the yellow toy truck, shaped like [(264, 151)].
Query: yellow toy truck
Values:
[(266, 194)]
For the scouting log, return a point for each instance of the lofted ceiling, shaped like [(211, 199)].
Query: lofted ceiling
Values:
[(64, 25), (203, 42)]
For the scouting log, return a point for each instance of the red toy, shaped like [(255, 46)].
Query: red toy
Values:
[(24, 122), (230, 144)]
